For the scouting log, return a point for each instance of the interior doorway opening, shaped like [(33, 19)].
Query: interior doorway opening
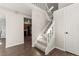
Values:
[(27, 32), (2, 32)]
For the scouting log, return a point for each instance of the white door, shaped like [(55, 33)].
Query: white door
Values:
[(71, 22)]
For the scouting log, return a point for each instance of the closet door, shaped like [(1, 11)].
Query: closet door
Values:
[(71, 22)]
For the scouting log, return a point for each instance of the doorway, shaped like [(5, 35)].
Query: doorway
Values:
[(2, 32), (27, 32)]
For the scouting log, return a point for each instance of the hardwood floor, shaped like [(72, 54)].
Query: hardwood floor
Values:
[(57, 52), (26, 50)]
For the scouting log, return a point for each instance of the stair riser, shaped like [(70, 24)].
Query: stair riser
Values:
[(42, 43), (42, 48)]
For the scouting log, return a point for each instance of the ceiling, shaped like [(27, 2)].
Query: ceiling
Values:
[(23, 8)]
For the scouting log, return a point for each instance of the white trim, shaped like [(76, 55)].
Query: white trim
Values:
[(7, 46), (49, 51), (60, 48), (74, 52)]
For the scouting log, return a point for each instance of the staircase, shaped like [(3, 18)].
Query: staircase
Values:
[(48, 34)]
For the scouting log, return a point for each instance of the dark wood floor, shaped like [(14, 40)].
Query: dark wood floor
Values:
[(26, 50), (57, 52)]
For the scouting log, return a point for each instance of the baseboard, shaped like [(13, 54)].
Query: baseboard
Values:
[(60, 48), (53, 48), (74, 52), (12, 45), (49, 51)]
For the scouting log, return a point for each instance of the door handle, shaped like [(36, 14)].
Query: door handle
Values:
[(66, 32)]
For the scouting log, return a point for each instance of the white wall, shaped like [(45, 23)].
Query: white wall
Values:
[(60, 29), (14, 27), (59, 18), (67, 20), (71, 17), (39, 21), (62, 5)]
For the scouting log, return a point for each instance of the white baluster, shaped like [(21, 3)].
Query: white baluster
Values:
[(52, 30), (48, 37), (50, 34)]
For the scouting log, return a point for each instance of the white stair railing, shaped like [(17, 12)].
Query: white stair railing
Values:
[(50, 32)]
